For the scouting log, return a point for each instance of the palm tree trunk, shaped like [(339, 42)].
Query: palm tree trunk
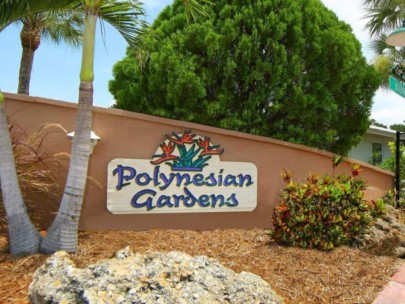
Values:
[(30, 37), (63, 233), (23, 237), (27, 58)]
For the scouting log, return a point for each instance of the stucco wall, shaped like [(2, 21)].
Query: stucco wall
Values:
[(132, 135)]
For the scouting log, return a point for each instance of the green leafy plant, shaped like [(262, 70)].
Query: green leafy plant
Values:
[(378, 207), (375, 159), (390, 164), (390, 199), (324, 212), (186, 159)]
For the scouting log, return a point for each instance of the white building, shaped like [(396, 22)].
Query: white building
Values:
[(375, 142)]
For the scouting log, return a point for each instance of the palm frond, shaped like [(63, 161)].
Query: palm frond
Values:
[(67, 27), (384, 15), (125, 17), (400, 55), (196, 8), (379, 46), (383, 20), (378, 3), (13, 10)]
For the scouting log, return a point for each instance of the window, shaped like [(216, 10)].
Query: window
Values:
[(376, 157)]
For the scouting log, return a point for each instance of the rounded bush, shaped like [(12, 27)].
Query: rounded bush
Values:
[(324, 212)]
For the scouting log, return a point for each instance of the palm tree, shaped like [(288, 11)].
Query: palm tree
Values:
[(53, 26), (24, 238), (62, 235), (124, 16)]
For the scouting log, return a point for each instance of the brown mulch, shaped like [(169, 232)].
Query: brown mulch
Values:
[(344, 275)]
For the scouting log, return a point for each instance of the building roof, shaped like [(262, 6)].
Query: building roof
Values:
[(381, 131)]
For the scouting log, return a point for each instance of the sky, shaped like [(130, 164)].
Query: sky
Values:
[(55, 72)]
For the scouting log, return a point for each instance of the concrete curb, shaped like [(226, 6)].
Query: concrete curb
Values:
[(394, 291)]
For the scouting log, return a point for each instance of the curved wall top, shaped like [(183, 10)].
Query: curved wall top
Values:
[(131, 135)]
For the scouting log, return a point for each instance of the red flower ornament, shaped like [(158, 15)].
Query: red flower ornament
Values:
[(186, 138), (208, 149), (167, 154)]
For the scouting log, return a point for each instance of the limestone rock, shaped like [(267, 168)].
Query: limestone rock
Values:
[(386, 236), (172, 277)]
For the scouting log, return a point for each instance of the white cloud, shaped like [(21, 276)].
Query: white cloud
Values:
[(389, 116), (388, 108)]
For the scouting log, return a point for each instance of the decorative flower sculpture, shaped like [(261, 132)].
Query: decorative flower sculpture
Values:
[(185, 138), (190, 159), (167, 154), (208, 149)]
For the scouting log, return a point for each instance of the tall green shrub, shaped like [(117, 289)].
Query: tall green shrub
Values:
[(324, 212)]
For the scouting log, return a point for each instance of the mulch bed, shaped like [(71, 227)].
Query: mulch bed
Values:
[(344, 275)]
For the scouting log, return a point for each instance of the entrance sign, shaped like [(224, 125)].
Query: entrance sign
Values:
[(397, 86), (184, 176)]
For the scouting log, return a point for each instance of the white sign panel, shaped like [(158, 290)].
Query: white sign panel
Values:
[(184, 176)]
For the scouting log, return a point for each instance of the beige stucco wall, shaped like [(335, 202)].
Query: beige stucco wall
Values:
[(132, 135)]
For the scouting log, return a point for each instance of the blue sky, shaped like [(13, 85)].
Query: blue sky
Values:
[(56, 68)]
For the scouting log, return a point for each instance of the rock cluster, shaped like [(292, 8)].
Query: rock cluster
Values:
[(172, 277), (386, 236)]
